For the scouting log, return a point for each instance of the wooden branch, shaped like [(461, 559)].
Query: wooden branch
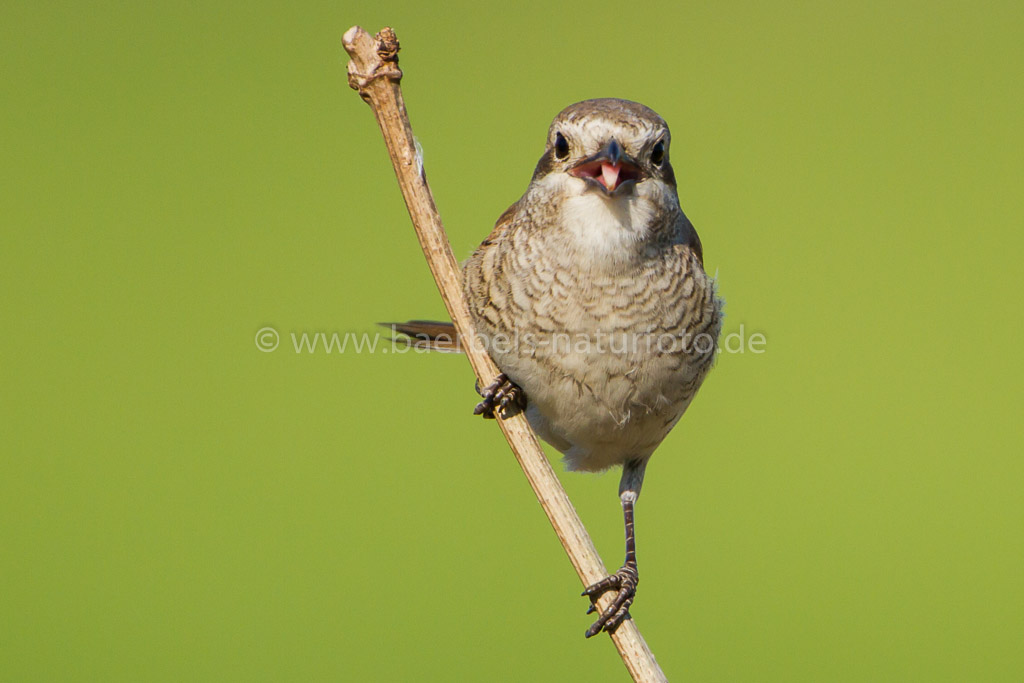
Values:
[(373, 71)]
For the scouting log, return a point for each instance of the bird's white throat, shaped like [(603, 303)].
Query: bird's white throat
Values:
[(604, 226)]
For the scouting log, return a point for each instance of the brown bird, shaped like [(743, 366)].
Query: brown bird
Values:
[(591, 297)]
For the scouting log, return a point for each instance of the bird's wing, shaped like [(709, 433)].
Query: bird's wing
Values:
[(485, 276), (690, 238)]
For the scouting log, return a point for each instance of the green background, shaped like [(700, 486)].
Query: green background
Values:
[(178, 505)]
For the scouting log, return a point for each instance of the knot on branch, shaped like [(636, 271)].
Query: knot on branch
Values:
[(387, 45), (385, 48)]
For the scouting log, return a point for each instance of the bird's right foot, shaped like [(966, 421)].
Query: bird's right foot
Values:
[(501, 397), (624, 583)]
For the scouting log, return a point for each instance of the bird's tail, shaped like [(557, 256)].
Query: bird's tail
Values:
[(427, 334)]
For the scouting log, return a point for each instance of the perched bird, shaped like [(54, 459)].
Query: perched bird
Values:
[(591, 297)]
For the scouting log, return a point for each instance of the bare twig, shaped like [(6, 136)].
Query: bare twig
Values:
[(373, 71)]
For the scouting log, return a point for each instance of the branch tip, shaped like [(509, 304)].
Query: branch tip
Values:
[(349, 39), (372, 58)]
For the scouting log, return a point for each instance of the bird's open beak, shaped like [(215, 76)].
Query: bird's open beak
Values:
[(611, 170)]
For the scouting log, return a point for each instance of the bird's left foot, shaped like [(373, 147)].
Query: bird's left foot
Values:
[(625, 582), (501, 397)]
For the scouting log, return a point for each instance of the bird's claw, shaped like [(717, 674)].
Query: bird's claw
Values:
[(501, 397), (624, 582)]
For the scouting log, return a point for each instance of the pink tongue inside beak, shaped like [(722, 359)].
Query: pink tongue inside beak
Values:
[(610, 174)]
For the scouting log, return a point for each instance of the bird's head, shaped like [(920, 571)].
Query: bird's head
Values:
[(608, 146)]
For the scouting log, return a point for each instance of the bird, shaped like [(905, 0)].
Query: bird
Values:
[(591, 297)]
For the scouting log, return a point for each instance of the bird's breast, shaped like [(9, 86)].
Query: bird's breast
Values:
[(591, 308), (609, 362)]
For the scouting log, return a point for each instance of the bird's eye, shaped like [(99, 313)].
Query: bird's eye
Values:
[(658, 153), (561, 146)]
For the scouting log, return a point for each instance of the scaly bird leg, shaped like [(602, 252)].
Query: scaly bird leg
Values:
[(626, 580)]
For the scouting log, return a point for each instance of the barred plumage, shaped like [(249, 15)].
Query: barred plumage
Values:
[(535, 283)]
